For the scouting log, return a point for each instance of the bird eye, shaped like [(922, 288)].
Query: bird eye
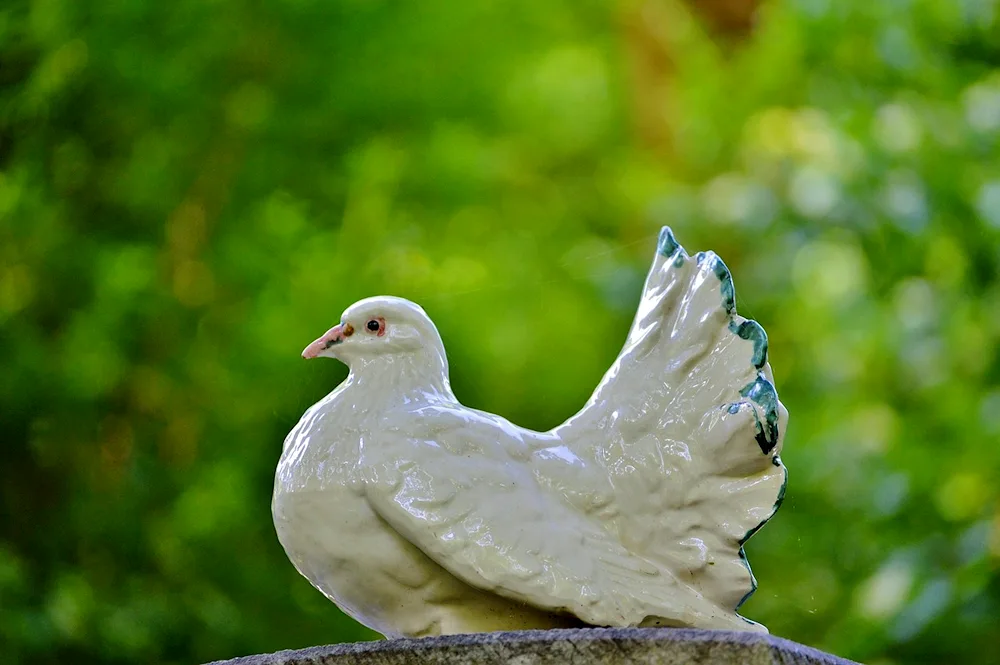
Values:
[(376, 326)]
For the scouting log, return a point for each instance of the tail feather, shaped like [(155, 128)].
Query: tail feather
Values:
[(689, 427)]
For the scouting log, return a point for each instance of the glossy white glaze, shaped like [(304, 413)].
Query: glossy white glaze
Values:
[(420, 516)]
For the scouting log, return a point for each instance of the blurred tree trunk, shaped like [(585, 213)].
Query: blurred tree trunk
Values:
[(728, 21), (652, 33)]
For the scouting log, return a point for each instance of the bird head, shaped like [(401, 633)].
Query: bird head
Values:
[(375, 327)]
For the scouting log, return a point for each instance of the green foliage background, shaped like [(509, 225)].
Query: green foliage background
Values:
[(190, 191)]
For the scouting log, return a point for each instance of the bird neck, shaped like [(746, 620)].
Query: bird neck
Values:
[(407, 375)]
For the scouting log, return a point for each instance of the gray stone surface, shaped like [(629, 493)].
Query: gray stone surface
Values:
[(577, 646)]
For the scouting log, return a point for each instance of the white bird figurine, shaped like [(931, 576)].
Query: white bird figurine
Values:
[(420, 516)]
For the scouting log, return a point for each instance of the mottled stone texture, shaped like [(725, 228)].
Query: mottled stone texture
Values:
[(586, 646)]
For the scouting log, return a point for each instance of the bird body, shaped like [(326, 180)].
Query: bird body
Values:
[(338, 541), (420, 516)]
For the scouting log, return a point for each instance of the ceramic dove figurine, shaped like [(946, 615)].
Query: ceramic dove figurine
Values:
[(420, 516)]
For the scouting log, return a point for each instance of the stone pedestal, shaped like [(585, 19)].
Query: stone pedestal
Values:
[(578, 646)]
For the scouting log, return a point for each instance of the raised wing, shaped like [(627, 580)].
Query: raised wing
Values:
[(688, 425), (449, 486)]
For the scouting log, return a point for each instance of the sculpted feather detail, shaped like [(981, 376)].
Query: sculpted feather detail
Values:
[(418, 515)]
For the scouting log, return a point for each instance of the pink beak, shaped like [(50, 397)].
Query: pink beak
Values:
[(334, 335)]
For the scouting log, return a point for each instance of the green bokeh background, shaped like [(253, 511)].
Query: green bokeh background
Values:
[(190, 191)]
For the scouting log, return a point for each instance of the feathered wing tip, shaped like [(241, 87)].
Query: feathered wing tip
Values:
[(752, 478)]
